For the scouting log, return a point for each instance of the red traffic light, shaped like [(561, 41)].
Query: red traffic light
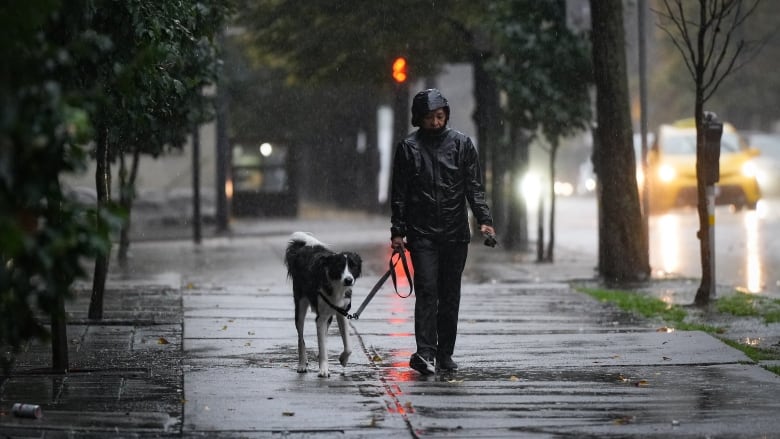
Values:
[(399, 69)]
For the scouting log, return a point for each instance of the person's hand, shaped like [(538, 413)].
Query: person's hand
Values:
[(487, 230), (397, 243), (490, 235)]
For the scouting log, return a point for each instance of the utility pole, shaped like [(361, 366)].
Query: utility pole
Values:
[(196, 220)]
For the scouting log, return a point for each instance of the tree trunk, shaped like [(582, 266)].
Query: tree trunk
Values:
[(517, 213), (59, 337), (625, 253), (126, 198), (551, 227), (703, 293), (487, 121), (103, 185)]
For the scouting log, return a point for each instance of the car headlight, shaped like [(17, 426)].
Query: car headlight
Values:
[(666, 173), (749, 169)]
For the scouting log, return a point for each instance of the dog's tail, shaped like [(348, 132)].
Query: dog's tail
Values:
[(297, 241)]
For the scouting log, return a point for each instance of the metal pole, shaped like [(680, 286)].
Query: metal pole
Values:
[(222, 160), (711, 192), (641, 7), (196, 220)]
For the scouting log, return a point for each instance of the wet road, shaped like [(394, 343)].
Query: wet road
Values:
[(745, 253)]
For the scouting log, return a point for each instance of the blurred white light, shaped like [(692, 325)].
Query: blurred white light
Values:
[(590, 184), (563, 188), (666, 173), (266, 149), (531, 188), (749, 169)]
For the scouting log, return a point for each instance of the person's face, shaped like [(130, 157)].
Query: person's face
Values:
[(434, 120)]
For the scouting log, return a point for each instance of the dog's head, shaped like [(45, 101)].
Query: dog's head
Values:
[(344, 268)]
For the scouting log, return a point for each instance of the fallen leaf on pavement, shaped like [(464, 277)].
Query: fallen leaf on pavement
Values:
[(162, 340), (288, 413), (624, 420)]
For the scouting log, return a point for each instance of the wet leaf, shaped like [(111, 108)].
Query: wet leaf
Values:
[(224, 328), (288, 413), (251, 333), (666, 358), (623, 420), (642, 383), (514, 378), (615, 357), (622, 379), (162, 340), (409, 407), (248, 344), (663, 329), (190, 286), (376, 358), (231, 321)]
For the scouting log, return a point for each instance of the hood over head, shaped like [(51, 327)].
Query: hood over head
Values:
[(426, 101)]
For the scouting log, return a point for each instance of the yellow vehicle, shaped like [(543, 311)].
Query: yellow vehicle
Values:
[(671, 169)]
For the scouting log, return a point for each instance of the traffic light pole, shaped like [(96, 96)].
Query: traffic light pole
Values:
[(401, 112)]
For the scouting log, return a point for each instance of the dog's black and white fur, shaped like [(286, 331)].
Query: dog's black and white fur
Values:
[(320, 275)]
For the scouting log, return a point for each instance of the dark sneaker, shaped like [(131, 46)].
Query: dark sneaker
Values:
[(446, 363), (422, 365)]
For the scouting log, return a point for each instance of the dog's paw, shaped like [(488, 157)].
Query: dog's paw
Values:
[(344, 357), (302, 369), (324, 373)]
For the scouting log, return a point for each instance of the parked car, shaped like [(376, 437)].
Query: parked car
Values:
[(768, 163), (671, 173)]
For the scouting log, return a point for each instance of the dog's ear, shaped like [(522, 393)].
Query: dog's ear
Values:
[(355, 263)]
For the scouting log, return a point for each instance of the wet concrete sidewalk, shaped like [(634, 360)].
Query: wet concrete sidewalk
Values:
[(537, 358)]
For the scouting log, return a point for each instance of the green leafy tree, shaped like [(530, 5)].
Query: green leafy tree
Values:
[(352, 44), (545, 70), (44, 125), (150, 83)]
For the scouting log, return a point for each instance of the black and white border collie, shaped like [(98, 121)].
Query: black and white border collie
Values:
[(322, 280)]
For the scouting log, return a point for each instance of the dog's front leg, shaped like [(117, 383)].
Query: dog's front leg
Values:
[(322, 341), (300, 318), (344, 330)]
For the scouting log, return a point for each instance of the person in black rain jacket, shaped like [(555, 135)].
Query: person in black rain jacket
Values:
[(436, 178)]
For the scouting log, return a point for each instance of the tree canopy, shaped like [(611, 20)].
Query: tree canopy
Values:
[(80, 73)]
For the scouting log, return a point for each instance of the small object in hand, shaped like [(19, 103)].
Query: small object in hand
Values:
[(490, 240), (27, 410)]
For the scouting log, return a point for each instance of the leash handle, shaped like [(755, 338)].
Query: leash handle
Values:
[(389, 273), (401, 257)]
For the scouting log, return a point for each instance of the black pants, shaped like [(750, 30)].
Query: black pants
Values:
[(438, 267)]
